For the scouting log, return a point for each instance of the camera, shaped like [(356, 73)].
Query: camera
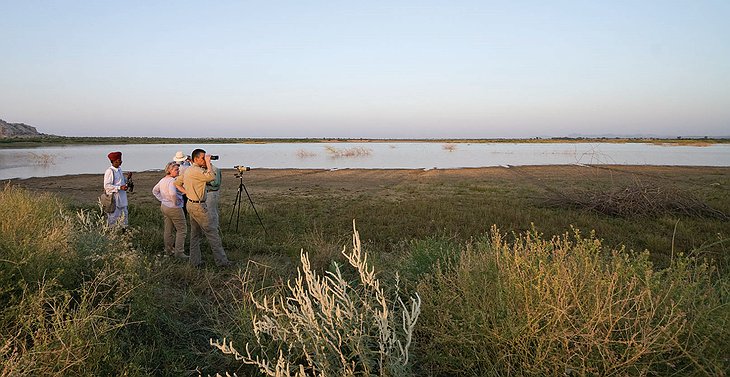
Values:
[(130, 182), (214, 157), (241, 169)]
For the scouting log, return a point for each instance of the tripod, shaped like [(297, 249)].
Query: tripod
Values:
[(237, 205)]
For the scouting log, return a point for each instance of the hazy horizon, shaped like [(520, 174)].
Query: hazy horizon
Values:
[(396, 69)]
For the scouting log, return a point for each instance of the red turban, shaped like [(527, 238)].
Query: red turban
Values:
[(114, 156)]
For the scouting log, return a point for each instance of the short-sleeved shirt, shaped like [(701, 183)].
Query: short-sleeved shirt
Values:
[(194, 180)]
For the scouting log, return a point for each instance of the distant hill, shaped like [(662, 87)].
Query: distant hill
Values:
[(17, 130)]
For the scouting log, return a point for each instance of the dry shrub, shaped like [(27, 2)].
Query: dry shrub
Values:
[(329, 326), (305, 154), (33, 240), (449, 147), (565, 306), (62, 333), (348, 152), (635, 200), (65, 285), (43, 159)]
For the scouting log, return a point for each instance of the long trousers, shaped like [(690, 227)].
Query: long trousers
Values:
[(211, 200), (200, 224), (120, 216), (174, 223)]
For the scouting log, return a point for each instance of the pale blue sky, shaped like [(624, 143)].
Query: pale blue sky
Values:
[(372, 69)]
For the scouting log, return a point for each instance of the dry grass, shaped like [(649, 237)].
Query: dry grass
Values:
[(478, 317), (64, 294), (331, 326), (449, 147), (637, 199), (305, 154), (41, 158), (348, 152), (65, 333), (566, 306)]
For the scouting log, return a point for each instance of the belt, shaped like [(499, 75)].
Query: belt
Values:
[(196, 201)]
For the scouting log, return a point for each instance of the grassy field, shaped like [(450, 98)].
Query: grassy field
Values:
[(499, 295)]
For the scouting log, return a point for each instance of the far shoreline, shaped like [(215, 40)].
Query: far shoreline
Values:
[(46, 140)]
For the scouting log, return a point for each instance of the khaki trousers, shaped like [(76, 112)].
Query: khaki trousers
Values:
[(174, 222), (200, 224), (211, 199)]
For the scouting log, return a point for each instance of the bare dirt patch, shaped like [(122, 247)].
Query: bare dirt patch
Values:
[(83, 189)]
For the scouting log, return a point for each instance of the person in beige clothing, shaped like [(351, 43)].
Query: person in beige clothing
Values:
[(171, 205), (193, 182)]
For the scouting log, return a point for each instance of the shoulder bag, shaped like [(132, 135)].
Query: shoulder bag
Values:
[(107, 202)]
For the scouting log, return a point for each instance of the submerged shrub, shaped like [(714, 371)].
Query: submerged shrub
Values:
[(329, 326), (348, 152), (566, 306)]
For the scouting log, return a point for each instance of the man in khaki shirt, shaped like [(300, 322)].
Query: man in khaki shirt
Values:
[(193, 181)]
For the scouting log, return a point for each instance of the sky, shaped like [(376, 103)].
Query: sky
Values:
[(367, 69)]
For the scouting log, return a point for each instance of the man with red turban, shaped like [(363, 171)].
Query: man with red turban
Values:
[(115, 184)]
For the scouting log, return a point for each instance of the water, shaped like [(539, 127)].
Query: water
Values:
[(91, 159)]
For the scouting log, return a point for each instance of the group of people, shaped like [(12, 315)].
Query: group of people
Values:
[(190, 186)]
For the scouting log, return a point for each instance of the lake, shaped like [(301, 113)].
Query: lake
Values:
[(91, 159)]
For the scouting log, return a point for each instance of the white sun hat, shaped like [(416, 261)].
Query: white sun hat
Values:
[(179, 157)]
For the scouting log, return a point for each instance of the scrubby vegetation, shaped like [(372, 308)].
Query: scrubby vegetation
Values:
[(67, 285), (79, 298), (347, 152), (330, 326), (567, 306)]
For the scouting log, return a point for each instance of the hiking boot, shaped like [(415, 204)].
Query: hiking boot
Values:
[(229, 263)]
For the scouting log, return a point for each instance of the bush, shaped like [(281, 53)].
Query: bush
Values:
[(34, 240), (65, 284), (61, 332), (565, 306), (331, 327)]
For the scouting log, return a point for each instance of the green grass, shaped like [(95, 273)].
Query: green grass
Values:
[(461, 212), (569, 306), (82, 299)]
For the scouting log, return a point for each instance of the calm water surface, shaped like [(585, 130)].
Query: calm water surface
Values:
[(85, 159)]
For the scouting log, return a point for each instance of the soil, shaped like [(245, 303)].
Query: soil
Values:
[(84, 189)]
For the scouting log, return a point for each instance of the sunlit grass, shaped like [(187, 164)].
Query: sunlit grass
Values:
[(569, 306), (154, 315), (331, 325)]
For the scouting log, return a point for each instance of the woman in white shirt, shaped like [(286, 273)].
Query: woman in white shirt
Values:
[(171, 205)]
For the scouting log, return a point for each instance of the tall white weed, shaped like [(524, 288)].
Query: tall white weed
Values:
[(329, 326)]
